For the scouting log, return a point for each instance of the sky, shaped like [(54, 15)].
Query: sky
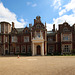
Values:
[(23, 12)]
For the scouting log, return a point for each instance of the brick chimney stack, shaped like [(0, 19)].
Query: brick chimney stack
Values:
[(30, 25), (12, 24), (53, 27)]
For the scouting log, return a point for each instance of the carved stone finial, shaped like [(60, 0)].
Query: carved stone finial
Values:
[(45, 24)]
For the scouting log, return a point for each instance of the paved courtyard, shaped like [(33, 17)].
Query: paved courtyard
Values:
[(37, 65)]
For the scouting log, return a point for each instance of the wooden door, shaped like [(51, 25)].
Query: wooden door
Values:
[(38, 50)]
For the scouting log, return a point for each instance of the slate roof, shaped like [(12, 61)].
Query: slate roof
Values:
[(19, 30), (50, 33)]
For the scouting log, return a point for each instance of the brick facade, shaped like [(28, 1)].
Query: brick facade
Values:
[(36, 40)]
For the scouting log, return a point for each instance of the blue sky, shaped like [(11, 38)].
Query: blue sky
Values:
[(23, 12)]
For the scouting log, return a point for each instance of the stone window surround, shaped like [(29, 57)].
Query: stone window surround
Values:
[(24, 47), (18, 47), (68, 35), (14, 38), (69, 47), (26, 38), (6, 39)]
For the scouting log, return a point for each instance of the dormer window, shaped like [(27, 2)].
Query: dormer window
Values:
[(26, 31)]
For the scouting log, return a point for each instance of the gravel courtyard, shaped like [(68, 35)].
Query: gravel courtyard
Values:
[(37, 65)]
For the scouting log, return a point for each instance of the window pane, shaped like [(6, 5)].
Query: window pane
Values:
[(17, 49), (26, 38), (23, 49), (6, 39)]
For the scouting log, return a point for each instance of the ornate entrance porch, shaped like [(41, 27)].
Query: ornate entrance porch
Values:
[(38, 46)]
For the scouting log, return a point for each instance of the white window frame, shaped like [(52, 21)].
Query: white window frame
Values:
[(16, 49), (22, 48), (6, 39), (66, 49), (26, 38), (65, 38), (14, 38)]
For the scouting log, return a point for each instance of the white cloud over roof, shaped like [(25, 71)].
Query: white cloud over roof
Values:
[(8, 16), (62, 18)]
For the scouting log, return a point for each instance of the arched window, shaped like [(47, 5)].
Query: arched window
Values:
[(65, 29)]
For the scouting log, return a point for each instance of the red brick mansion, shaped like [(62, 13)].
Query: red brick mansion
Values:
[(36, 40)]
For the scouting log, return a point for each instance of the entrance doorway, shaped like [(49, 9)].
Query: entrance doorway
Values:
[(38, 50)]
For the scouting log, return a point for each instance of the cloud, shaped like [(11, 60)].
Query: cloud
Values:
[(56, 4), (59, 8), (31, 4), (62, 11), (8, 16), (34, 5), (49, 26), (22, 20), (68, 7), (69, 18), (62, 18)]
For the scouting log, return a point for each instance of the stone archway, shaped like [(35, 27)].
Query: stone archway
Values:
[(38, 50)]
